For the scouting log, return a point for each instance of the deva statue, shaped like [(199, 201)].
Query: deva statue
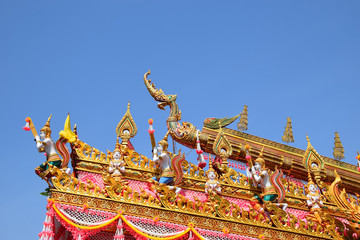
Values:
[(45, 144), (117, 163), (314, 201), (212, 185), (272, 188), (168, 170)]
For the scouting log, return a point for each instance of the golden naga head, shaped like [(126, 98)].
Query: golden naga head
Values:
[(157, 94), (46, 129)]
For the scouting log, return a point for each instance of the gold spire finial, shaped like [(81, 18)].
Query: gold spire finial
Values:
[(338, 149), (243, 123), (288, 133)]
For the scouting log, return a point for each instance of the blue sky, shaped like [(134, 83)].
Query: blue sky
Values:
[(281, 58)]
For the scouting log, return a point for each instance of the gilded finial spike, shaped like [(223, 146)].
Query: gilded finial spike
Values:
[(128, 106), (243, 123), (338, 149), (288, 133)]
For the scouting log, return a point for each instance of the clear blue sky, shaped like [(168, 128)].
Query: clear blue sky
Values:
[(281, 58)]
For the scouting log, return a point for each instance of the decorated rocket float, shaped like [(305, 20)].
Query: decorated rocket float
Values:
[(286, 193)]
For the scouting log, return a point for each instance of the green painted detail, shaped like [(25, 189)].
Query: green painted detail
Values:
[(215, 123)]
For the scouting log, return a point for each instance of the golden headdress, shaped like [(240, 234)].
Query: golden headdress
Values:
[(46, 127), (164, 142), (117, 146), (211, 169), (260, 159)]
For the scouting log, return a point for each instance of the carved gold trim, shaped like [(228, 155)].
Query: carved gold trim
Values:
[(178, 217), (264, 142), (126, 128), (234, 184)]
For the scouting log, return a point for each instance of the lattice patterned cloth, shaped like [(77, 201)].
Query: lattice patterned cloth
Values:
[(155, 228), (240, 202), (190, 194), (85, 217), (93, 177), (168, 228), (102, 236), (298, 213), (215, 235)]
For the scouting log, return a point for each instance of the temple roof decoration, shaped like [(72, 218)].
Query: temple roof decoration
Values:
[(243, 122), (313, 160), (221, 146), (345, 202), (288, 133), (338, 149), (125, 195), (217, 123), (126, 128)]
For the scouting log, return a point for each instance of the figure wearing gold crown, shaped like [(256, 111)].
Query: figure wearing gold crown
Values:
[(117, 163), (314, 201), (166, 173), (272, 188), (212, 185), (161, 157), (44, 143)]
